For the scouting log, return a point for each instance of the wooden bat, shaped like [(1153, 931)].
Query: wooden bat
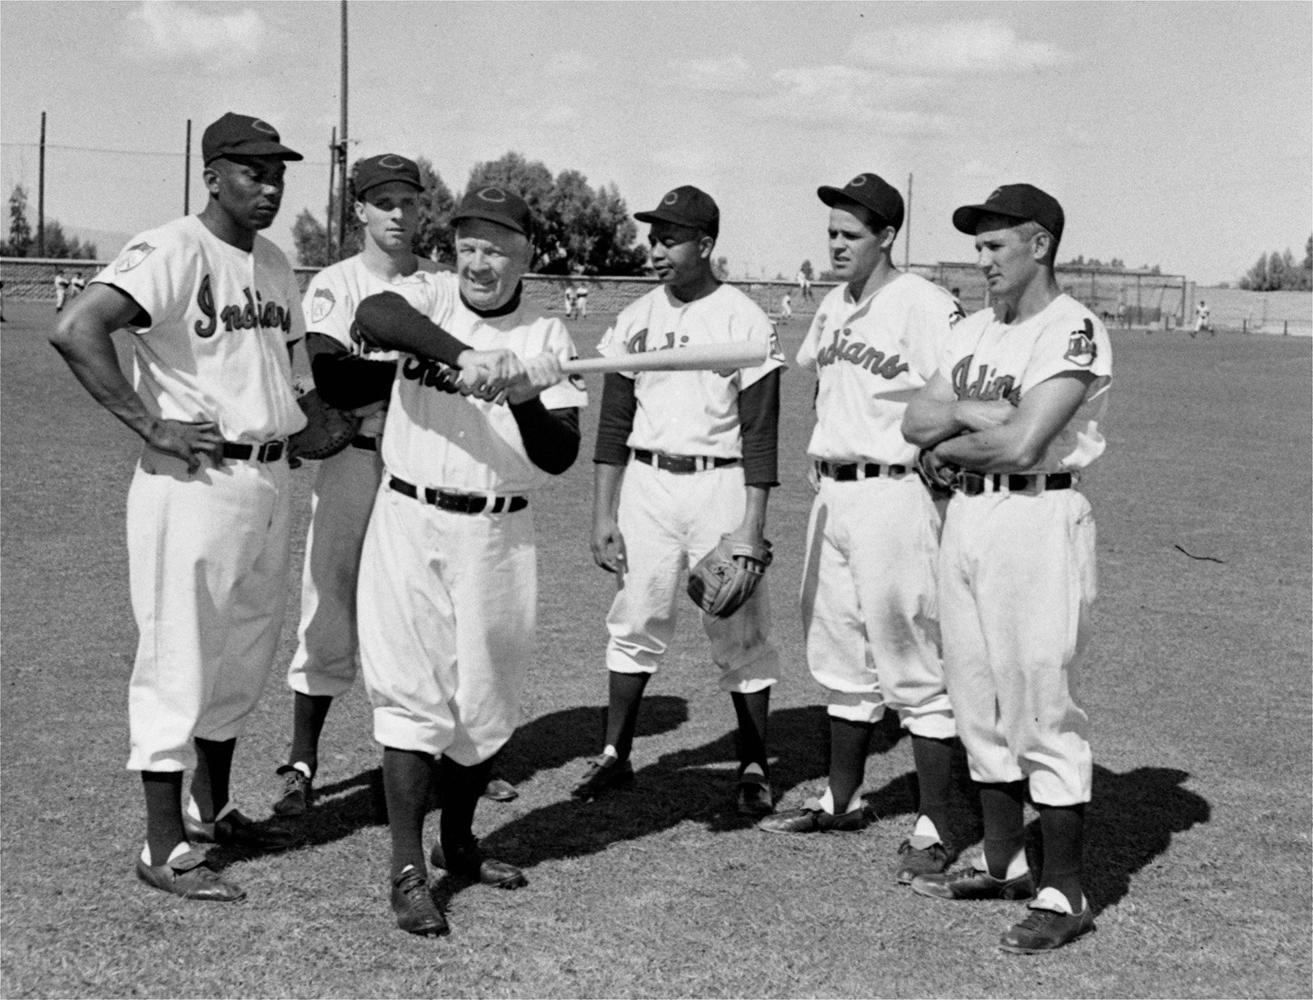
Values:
[(694, 357)]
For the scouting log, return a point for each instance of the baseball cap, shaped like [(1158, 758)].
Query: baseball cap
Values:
[(495, 204), (372, 171), (242, 135), (869, 191), (686, 206), (1023, 202)]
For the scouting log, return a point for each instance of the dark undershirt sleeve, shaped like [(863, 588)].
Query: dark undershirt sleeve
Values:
[(551, 437), (349, 382), (759, 418), (615, 420), (388, 322)]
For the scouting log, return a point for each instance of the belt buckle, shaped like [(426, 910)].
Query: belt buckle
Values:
[(971, 484)]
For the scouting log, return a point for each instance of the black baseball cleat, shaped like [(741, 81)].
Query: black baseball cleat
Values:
[(237, 830), (500, 790), (297, 789), (754, 797), (468, 862), (914, 861), (811, 818), (190, 876), (1046, 930), (413, 905), (604, 773), (971, 883)]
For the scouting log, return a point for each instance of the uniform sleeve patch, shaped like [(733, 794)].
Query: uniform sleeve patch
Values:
[(1081, 349), (321, 304), (132, 256)]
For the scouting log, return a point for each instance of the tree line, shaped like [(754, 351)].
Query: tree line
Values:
[(581, 229), (22, 241), (1278, 272)]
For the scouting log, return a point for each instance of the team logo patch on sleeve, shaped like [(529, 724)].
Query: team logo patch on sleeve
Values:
[(321, 304), (1080, 346), (132, 256)]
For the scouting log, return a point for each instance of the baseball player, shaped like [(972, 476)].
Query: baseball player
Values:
[(570, 296), (214, 308), (786, 307), (1010, 418), (1201, 320), (681, 458), (804, 287), (581, 301), (350, 376), (61, 290), (869, 605), (448, 575), (77, 284)]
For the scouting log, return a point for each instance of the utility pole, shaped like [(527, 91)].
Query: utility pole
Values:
[(41, 194), (186, 173), (332, 190), (342, 141), (907, 228)]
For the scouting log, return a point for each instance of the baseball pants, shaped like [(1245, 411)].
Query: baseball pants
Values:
[(870, 611), (208, 557), (1017, 582), (669, 522), (327, 651), (447, 616)]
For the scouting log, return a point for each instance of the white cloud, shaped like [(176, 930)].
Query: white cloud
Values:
[(845, 96), (163, 30), (954, 48), (568, 63), (731, 74), (559, 114)]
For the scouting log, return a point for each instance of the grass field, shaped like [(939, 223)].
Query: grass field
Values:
[(1198, 852)]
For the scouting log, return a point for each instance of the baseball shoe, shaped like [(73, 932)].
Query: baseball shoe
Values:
[(468, 862), (1046, 928), (500, 790), (295, 800), (971, 883), (237, 830), (191, 877), (413, 905), (754, 797), (914, 861), (604, 772), (811, 818)]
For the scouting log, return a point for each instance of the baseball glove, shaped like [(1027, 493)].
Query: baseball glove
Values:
[(328, 430), (724, 579)]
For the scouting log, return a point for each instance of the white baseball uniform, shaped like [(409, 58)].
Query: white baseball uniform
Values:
[(448, 600), (327, 650), (207, 551), (668, 519), (1201, 320), (61, 291), (581, 301), (869, 603), (1017, 569)]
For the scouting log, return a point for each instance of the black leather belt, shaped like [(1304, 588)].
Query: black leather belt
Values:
[(682, 464), (364, 442), (975, 483), (459, 503), (270, 451), (850, 472)]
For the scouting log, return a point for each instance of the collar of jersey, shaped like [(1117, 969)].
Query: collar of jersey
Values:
[(505, 310)]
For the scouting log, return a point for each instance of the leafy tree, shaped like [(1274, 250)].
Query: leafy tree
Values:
[(806, 269), (20, 233), (720, 268), (311, 240), (63, 247), (434, 237), (1276, 271)]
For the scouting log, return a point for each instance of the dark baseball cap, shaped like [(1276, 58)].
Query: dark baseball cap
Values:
[(495, 204), (686, 206), (242, 135), (372, 171), (870, 191), (1023, 202)]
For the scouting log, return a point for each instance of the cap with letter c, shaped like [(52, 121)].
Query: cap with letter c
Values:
[(871, 192), (686, 206), (242, 135), (372, 171), (1023, 202), (495, 204)]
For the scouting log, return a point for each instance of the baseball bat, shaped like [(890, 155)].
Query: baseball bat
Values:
[(694, 357)]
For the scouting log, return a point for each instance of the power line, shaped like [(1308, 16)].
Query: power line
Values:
[(125, 152)]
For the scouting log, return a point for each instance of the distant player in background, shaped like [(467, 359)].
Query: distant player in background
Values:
[(786, 307), (213, 309), (570, 296), (804, 287), (61, 290), (1202, 320), (682, 458), (77, 284), (581, 296)]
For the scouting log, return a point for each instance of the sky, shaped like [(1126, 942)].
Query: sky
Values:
[(1175, 134)]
